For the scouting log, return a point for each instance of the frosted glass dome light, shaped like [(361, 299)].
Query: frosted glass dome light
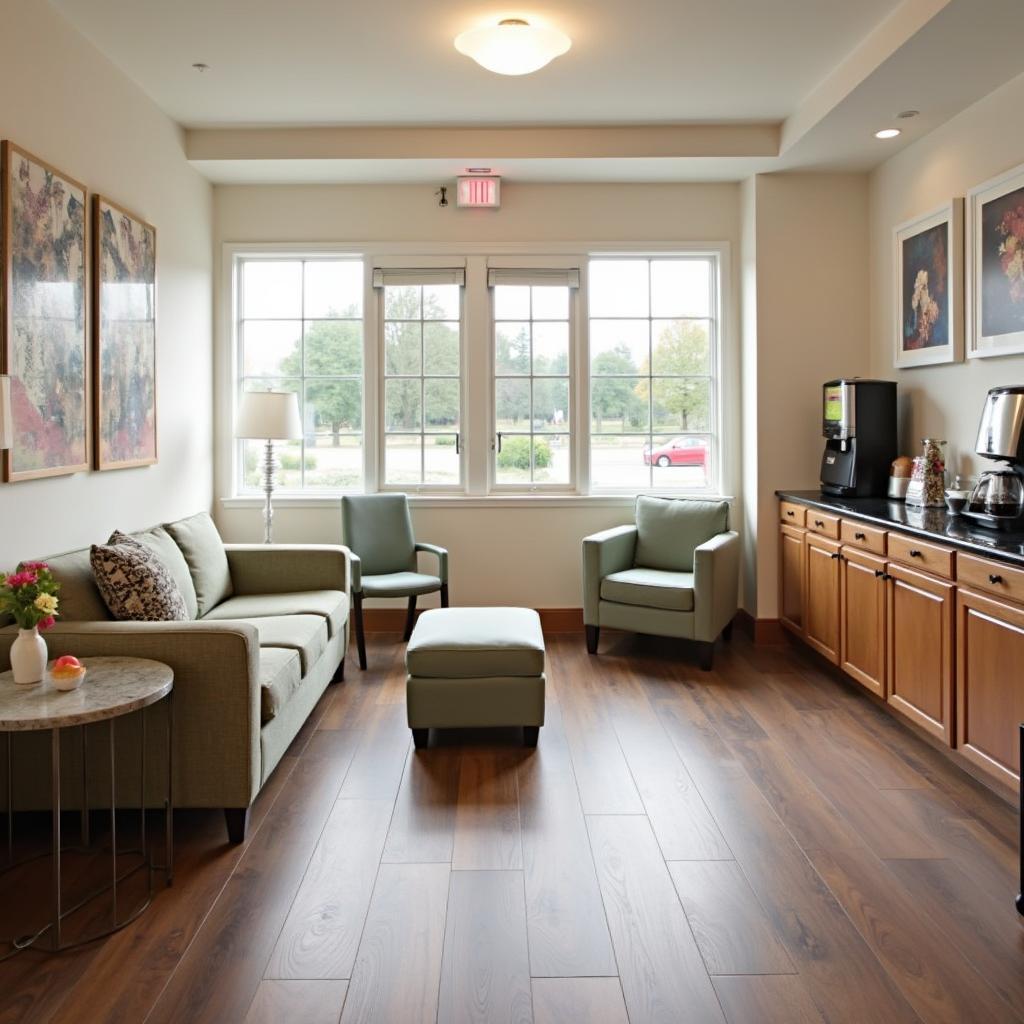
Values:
[(513, 46)]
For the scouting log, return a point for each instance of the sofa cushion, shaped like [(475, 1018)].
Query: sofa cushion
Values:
[(162, 544), (400, 584), (203, 549), (331, 604), (280, 677), (135, 584), (462, 643), (668, 529), (306, 634), (650, 588), (80, 598)]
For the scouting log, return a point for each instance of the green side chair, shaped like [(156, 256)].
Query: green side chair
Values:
[(377, 529), (675, 573)]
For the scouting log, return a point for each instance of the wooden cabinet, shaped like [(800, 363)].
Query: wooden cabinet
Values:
[(821, 595), (921, 555), (920, 642), (791, 513), (863, 626), (990, 684), (823, 523), (859, 535), (791, 579)]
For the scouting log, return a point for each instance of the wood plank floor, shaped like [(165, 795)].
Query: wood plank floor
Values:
[(757, 844)]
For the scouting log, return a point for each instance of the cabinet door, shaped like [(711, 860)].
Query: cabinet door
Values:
[(791, 579), (862, 618), (821, 592), (921, 649), (990, 686)]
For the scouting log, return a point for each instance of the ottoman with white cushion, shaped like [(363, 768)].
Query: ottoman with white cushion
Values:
[(471, 667)]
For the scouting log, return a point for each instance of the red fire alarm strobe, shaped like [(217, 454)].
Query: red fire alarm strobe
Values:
[(480, 192)]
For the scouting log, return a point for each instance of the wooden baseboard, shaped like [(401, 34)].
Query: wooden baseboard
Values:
[(764, 632), (553, 620)]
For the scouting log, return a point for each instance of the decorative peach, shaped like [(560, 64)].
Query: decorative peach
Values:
[(67, 659)]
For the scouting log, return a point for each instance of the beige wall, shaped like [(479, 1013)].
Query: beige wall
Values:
[(528, 556), (809, 324), (70, 106), (983, 141)]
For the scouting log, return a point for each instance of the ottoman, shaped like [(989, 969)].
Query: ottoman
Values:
[(469, 667)]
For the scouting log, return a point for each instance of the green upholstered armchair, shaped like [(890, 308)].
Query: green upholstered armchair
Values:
[(675, 573), (378, 531)]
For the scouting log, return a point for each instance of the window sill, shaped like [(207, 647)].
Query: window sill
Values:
[(467, 501)]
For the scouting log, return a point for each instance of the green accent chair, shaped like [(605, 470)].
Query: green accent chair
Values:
[(675, 573), (378, 530)]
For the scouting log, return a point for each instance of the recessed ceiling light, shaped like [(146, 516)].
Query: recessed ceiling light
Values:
[(200, 67), (903, 114), (887, 133), (513, 46)]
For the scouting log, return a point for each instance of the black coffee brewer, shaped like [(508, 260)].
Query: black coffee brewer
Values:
[(997, 500), (859, 424)]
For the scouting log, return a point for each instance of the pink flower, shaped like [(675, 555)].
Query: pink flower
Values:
[(21, 579), (33, 566), (47, 622)]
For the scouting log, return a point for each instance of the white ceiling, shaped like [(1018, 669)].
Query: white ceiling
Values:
[(393, 62)]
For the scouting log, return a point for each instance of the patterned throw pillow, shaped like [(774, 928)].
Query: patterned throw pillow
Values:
[(135, 584)]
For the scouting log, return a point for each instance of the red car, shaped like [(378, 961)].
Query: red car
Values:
[(680, 451)]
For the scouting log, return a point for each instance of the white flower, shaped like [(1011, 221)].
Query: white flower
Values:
[(46, 603)]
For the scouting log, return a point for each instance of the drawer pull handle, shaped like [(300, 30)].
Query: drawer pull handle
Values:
[(860, 536), (914, 553), (790, 512), (835, 554), (879, 574), (994, 578), (818, 522)]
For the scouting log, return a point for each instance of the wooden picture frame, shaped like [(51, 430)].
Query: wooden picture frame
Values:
[(929, 282), (124, 351), (996, 217), (44, 296)]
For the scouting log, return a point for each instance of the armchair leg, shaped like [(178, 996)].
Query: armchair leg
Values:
[(593, 635), (237, 821), (357, 607), (444, 595), (727, 633), (705, 655), (420, 738), (410, 618)]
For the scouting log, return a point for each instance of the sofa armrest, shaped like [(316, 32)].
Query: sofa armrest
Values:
[(604, 553), (442, 558), (716, 581), (217, 760), (286, 568)]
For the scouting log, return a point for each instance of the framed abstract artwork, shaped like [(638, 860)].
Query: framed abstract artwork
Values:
[(44, 325), (930, 287), (124, 280), (997, 266)]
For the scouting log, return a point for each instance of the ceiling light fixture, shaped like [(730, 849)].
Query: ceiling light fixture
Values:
[(904, 114), (513, 46), (887, 133)]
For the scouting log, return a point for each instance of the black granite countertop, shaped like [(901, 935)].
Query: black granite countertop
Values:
[(928, 523)]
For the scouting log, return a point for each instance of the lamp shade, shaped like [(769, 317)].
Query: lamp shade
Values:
[(269, 416), (6, 417), (513, 46)]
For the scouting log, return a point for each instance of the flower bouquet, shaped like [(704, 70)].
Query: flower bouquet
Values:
[(29, 595)]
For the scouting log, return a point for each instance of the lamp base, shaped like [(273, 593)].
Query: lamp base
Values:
[(269, 473)]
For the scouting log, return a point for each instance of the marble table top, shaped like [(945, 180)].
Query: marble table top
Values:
[(112, 687)]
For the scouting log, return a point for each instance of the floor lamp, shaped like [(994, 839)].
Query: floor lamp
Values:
[(269, 416)]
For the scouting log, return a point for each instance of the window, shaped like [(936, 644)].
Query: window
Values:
[(300, 328), (533, 412), (422, 369), (653, 354)]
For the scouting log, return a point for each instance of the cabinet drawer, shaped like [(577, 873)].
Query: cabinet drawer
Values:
[(790, 512), (867, 537), (991, 577), (920, 554), (823, 523)]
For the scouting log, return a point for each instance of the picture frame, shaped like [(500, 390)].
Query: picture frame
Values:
[(124, 354), (996, 221), (929, 282), (44, 295)]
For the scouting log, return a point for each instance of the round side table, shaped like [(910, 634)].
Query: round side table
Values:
[(112, 689)]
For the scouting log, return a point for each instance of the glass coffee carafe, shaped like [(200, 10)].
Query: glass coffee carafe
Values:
[(999, 493)]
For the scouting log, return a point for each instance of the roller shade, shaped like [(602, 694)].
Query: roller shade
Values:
[(568, 277), (384, 276)]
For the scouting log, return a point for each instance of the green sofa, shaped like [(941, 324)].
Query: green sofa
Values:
[(674, 573), (268, 631)]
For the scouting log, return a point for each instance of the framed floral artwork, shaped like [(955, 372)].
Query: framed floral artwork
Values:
[(930, 287), (44, 327), (124, 280), (997, 266)]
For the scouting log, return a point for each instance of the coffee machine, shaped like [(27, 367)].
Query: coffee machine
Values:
[(997, 500), (859, 425)]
